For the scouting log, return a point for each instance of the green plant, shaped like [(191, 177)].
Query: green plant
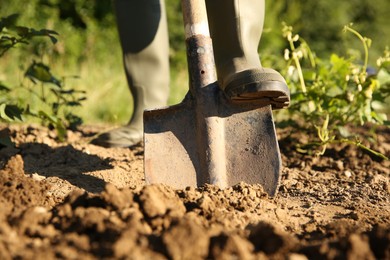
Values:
[(57, 98), (12, 35), (329, 95), (46, 98)]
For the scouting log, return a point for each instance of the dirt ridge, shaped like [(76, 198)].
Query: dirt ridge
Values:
[(77, 200)]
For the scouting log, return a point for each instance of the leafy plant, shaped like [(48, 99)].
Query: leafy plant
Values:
[(329, 95), (11, 34), (57, 99), (55, 102)]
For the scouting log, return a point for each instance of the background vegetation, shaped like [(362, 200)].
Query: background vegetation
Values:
[(88, 54)]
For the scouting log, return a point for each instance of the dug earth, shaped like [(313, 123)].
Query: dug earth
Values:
[(74, 200)]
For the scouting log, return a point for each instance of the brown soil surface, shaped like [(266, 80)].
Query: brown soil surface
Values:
[(75, 200)]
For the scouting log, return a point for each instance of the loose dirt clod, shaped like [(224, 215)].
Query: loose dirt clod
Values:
[(80, 201)]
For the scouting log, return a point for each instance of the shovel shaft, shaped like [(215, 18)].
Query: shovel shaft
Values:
[(195, 18), (200, 55), (201, 67), (206, 138)]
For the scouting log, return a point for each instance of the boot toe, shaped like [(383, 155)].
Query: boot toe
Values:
[(261, 86), (119, 137)]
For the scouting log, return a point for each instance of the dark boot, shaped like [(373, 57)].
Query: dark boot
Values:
[(144, 39), (236, 27)]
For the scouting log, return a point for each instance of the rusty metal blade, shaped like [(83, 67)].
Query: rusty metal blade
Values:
[(206, 138), (170, 146), (177, 146)]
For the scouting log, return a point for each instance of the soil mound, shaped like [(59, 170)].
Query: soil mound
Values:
[(80, 201)]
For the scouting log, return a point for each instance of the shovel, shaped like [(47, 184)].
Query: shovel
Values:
[(207, 138)]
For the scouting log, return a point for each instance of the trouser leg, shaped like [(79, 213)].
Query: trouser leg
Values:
[(236, 27), (143, 33)]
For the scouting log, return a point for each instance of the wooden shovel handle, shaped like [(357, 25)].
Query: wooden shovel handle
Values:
[(195, 18), (200, 57)]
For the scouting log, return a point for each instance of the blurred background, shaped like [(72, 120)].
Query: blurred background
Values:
[(88, 53)]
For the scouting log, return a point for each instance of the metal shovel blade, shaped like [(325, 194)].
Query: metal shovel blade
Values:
[(207, 138), (238, 144)]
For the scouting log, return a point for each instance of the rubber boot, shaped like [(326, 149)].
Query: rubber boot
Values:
[(143, 33), (236, 27)]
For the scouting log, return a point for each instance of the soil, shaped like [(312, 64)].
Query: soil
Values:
[(75, 200)]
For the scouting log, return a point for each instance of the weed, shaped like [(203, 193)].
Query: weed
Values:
[(329, 95), (11, 35), (55, 101)]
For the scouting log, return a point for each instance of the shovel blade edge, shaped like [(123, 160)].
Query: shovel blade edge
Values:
[(172, 149)]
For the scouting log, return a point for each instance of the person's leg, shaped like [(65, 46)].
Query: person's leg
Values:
[(236, 27), (143, 34)]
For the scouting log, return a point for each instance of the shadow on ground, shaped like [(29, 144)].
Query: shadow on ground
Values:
[(66, 163)]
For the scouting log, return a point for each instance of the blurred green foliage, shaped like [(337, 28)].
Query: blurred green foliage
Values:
[(46, 99), (88, 43), (319, 22), (79, 23)]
